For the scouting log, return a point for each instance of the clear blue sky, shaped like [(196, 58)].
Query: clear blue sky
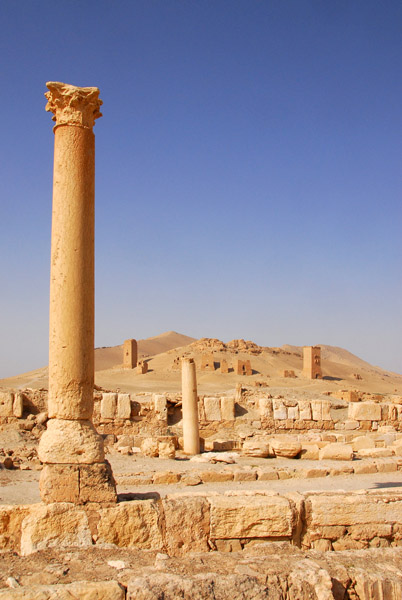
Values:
[(248, 170)]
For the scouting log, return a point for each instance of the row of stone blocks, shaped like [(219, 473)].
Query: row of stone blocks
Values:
[(216, 409), (120, 406), (320, 410), (115, 406), (179, 524), (11, 405)]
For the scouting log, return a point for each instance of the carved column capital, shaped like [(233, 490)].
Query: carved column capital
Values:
[(72, 105)]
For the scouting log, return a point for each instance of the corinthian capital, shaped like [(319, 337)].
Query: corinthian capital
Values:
[(73, 105)]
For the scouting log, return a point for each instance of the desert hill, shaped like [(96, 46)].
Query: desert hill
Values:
[(112, 356), (341, 356), (105, 358), (341, 369)]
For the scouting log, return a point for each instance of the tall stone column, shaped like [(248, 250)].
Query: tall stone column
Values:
[(75, 467), (191, 435)]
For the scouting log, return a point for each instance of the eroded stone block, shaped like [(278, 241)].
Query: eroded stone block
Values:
[(336, 452), (6, 404), (133, 524), (160, 407), (212, 407), (11, 518), (123, 410), (347, 509), (304, 410), (54, 525), (84, 590), (187, 524), (250, 517), (108, 406), (364, 411), (280, 410), (78, 484), (18, 405), (228, 408), (316, 410)]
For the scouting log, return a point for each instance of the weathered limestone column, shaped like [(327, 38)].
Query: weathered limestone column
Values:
[(75, 467), (191, 435)]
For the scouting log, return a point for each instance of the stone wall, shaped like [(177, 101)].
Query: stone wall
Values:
[(327, 414), (184, 523), (154, 414)]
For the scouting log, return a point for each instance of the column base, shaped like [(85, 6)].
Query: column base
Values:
[(79, 484)]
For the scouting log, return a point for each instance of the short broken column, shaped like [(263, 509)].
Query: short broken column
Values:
[(75, 467), (191, 434)]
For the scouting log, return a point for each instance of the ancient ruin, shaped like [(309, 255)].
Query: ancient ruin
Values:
[(312, 362), (224, 366), (130, 354), (142, 367), (207, 362), (218, 472), (71, 449), (243, 367)]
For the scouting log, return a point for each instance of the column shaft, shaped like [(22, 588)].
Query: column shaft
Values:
[(191, 435), (71, 334)]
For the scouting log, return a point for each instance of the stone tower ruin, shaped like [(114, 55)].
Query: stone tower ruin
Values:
[(312, 362), (130, 354)]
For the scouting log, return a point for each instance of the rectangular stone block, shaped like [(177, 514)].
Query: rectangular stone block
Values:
[(160, 407), (6, 404), (309, 451), (304, 410), (250, 517), (326, 410), (85, 590), (57, 525), (215, 476), (133, 524), (59, 483), (212, 407), (11, 518), (280, 410), (18, 405), (228, 408), (201, 409), (266, 409), (97, 484), (78, 484), (347, 509), (364, 411), (108, 406), (293, 413), (187, 524), (123, 406), (316, 410)]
